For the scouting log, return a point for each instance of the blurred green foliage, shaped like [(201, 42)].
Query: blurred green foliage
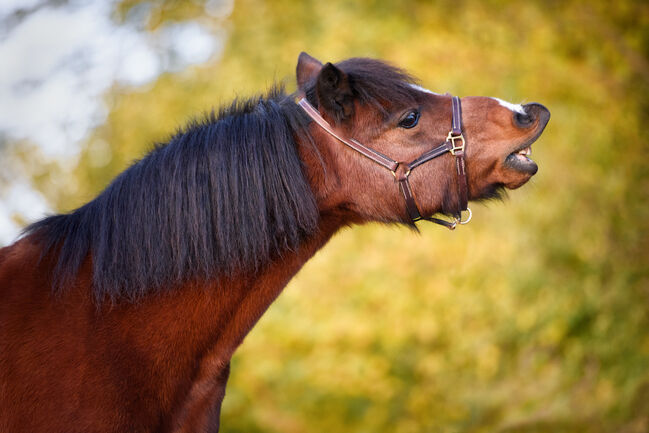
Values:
[(542, 325)]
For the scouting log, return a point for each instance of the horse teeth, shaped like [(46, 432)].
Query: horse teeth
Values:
[(525, 152)]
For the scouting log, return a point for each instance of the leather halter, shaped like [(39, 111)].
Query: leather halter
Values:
[(454, 144)]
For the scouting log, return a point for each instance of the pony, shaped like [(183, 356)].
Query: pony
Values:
[(123, 315)]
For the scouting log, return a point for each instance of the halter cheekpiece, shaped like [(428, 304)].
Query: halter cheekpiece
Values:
[(455, 144)]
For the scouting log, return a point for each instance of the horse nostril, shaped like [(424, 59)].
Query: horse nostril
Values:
[(524, 120), (535, 111)]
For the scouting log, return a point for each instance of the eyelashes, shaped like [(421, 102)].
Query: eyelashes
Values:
[(410, 120)]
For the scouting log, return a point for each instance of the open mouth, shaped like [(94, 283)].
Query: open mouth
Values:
[(520, 160)]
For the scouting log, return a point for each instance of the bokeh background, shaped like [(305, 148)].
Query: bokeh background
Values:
[(534, 318)]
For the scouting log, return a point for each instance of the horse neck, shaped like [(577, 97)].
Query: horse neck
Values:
[(211, 319), (254, 294), (220, 314)]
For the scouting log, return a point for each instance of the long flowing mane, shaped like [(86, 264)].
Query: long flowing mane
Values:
[(227, 193)]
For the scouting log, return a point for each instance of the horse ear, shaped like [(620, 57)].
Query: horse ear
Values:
[(335, 92), (307, 69)]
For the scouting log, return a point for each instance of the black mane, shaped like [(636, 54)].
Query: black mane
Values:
[(227, 193)]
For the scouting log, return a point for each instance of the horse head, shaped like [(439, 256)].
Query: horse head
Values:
[(383, 108)]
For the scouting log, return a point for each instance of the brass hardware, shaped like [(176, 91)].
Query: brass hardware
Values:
[(452, 139), (394, 172)]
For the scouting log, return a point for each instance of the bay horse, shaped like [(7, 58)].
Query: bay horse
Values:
[(123, 315)]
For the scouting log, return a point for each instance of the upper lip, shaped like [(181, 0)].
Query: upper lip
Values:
[(529, 141)]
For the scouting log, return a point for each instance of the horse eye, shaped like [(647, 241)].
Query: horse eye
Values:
[(410, 120)]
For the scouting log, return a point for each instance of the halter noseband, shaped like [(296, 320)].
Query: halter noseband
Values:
[(454, 144)]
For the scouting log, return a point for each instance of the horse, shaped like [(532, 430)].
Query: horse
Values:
[(123, 315)]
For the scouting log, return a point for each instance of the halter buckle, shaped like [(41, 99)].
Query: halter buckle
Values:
[(452, 139)]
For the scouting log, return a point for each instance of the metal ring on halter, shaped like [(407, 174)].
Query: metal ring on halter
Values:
[(394, 172), (466, 221)]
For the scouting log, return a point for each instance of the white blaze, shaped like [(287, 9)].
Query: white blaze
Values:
[(517, 108)]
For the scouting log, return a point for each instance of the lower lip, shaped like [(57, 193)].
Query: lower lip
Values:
[(521, 163)]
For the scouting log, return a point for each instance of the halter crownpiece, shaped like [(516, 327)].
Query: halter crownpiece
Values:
[(455, 144)]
